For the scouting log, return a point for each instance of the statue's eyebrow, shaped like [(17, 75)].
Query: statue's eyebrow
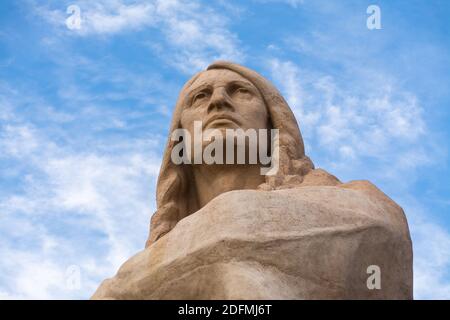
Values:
[(235, 83), (245, 84), (196, 90)]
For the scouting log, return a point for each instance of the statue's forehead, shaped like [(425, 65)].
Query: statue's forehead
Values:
[(216, 78)]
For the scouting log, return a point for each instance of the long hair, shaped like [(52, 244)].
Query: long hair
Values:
[(176, 195)]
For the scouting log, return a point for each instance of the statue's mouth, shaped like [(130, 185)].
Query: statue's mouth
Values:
[(221, 119)]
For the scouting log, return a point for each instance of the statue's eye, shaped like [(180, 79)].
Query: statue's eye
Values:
[(199, 97), (242, 92)]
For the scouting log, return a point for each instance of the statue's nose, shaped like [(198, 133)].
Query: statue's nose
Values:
[(220, 100)]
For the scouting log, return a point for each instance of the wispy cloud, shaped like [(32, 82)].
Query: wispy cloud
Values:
[(106, 195), (194, 33), (431, 253), (101, 17), (292, 3), (351, 126)]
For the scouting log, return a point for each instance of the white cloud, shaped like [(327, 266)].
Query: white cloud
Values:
[(106, 195), (197, 34), (194, 33), (17, 140), (100, 17), (66, 207), (352, 126), (432, 262), (431, 245), (292, 3), (117, 17)]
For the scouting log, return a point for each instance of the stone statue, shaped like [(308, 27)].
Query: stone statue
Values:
[(225, 231)]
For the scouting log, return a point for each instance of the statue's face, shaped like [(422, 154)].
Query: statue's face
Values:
[(223, 99)]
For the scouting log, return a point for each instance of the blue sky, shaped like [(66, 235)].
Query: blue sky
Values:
[(84, 116)]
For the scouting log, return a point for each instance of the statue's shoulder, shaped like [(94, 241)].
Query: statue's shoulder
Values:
[(319, 177), (392, 211), (370, 190)]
